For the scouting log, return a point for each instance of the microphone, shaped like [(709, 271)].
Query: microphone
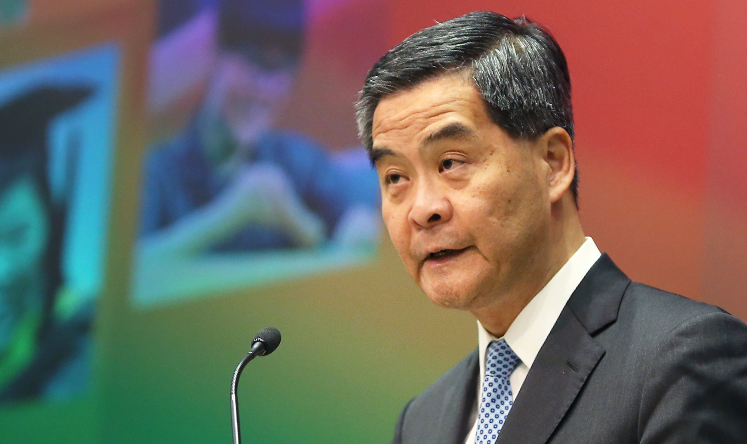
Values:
[(264, 343)]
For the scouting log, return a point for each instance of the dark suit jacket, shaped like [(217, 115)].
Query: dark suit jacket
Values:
[(624, 363)]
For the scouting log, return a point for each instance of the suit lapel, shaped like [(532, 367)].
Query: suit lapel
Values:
[(567, 358), (564, 362), (453, 424)]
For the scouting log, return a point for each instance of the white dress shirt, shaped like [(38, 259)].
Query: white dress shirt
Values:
[(531, 327)]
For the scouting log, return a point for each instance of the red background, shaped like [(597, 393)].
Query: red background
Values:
[(659, 96)]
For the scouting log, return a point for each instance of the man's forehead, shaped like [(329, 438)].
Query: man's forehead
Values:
[(432, 102)]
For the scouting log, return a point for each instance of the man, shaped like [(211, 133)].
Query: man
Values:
[(45, 326), (230, 182), (470, 127)]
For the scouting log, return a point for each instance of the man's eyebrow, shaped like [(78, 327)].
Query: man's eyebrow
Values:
[(450, 131), (378, 153)]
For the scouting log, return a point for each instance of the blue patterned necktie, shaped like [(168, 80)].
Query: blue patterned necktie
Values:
[(497, 397)]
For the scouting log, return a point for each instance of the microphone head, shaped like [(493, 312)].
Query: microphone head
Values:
[(270, 337)]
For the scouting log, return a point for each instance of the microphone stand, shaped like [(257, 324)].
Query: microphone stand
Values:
[(257, 350)]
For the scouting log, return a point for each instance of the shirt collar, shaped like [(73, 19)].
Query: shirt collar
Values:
[(531, 327)]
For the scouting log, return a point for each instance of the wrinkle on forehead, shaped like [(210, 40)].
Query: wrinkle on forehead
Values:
[(437, 98)]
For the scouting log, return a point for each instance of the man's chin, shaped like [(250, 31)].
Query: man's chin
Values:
[(8, 327), (249, 131), (448, 299)]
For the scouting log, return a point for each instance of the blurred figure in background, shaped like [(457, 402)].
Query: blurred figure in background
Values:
[(44, 328), (229, 181)]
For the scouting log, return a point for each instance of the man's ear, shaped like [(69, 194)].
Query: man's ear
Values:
[(557, 148)]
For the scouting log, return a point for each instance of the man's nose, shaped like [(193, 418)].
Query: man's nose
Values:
[(6, 266), (431, 207)]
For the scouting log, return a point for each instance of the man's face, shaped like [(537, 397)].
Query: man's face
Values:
[(245, 98), (24, 231), (467, 207)]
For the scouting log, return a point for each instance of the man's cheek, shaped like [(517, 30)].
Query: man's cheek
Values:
[(399, 240), (390, 221)]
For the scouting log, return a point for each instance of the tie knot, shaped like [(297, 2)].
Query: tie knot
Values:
[(501, 360)]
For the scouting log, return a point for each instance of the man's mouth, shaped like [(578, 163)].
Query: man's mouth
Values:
[(443, 254)]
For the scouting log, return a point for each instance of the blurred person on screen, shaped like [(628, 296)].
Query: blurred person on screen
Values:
[(229, 181), (44, 328), (470, 126)]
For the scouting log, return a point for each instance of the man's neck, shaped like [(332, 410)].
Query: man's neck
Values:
[(499, 315)]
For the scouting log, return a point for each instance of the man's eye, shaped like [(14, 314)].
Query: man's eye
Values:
[(448, 164), (393, 179), (15, 235)]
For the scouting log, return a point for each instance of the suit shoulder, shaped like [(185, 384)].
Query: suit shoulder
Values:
[(653, 315), (667, 309)]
